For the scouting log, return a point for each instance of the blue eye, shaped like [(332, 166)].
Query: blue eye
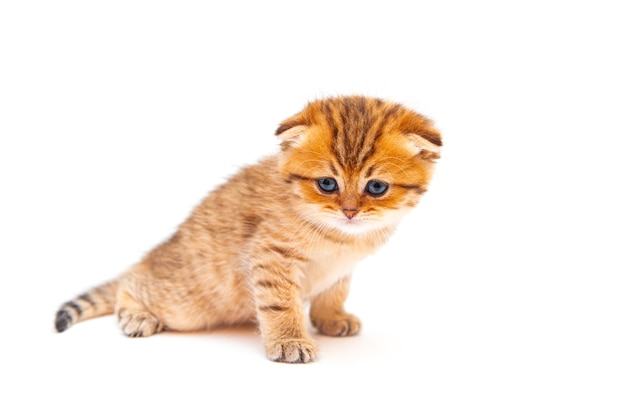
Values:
[(327, 185), (375, 187)]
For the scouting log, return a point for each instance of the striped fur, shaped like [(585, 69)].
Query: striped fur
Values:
[(270, 239), (96, 302)]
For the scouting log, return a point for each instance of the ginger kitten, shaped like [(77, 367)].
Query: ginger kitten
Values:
[(280, 233)]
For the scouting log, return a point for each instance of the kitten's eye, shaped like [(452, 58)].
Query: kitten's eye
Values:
[(327, 185), (375, 187)]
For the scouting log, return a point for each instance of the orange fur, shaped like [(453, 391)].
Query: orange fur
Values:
[(270, 239)]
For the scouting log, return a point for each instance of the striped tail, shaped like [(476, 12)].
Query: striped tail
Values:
[(98, 301)]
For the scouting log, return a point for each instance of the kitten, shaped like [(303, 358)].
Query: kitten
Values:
[(285, 231)]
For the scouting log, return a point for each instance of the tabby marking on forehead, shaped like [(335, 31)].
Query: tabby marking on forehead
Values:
[(356, 127)]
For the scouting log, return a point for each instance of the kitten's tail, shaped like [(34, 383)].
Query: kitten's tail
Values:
[(98, 301)]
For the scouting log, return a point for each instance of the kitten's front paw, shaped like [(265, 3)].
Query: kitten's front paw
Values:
[(337, 325), (291, 350), (138, 323)]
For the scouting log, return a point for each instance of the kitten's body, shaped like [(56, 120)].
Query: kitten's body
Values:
[(271, 238)]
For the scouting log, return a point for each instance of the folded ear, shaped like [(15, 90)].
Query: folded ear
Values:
[(426, 143), (291, 132), (291, 136)]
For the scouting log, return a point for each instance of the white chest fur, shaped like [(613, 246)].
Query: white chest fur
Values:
[(327, 267)]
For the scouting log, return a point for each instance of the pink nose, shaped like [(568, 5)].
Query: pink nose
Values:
[(349, 212)]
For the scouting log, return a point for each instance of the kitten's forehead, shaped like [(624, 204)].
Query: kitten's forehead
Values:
[(353, 129), (356, 125)]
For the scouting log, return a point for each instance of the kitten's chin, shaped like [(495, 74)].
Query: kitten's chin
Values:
[(352, 227)]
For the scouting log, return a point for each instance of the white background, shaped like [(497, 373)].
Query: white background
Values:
[(502, 294)]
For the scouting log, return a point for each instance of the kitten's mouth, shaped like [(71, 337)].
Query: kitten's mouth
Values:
[(352, 221), (353, 226)]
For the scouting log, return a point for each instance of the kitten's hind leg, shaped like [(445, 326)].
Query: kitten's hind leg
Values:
[(134, 319), (327, 313)]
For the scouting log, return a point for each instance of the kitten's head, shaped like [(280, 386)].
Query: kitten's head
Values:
[(359, 164)]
